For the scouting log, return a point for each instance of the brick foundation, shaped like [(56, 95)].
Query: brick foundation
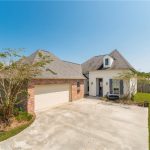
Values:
[(75, 94)]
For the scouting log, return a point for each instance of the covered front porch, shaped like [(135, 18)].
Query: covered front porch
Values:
[(112, 86)]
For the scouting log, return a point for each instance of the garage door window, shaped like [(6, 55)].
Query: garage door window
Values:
[(78, 86)]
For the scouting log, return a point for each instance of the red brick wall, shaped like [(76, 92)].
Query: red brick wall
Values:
[(30, 101), (74, 94)]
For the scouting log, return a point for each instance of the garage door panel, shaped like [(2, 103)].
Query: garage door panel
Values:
[(44, 89), (47, 96)]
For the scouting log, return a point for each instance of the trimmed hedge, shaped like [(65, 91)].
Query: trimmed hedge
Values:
[(23, 116)]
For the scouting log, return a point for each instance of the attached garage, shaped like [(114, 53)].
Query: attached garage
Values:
[(47, 96), (58, 82)]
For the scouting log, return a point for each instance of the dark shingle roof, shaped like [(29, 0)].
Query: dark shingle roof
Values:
[(119, 61), (92, 64), (59, 69), (96, 63)]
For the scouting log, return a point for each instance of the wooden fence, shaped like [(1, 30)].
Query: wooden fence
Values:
[(143, 87)]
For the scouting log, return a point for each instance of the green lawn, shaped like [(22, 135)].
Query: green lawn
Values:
[(141, 97)]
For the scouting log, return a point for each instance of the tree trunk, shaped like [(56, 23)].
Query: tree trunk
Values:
[(8, 114)]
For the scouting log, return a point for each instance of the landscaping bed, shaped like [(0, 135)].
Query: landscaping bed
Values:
[(18, 123), (140, 99)]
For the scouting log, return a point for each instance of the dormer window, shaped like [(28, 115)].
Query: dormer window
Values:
[(106, 61)]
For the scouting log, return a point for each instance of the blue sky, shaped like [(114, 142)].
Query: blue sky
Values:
[(76, 31)]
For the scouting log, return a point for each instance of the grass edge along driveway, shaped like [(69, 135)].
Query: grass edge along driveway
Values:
[(141, 98)]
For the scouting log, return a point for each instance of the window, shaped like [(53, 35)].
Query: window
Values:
[(106, 61), (116, 86), (78, 86), (88, 86), (78, 83)]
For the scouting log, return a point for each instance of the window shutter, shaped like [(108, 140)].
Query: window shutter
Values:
[(121, 87), (110, 86)]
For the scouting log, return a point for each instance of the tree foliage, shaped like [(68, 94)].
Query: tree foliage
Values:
[(132, 74), (15, 72)]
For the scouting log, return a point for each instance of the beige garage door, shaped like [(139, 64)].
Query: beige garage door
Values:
[(47, 96)]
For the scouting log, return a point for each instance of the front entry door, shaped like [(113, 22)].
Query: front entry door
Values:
[(100, 87)]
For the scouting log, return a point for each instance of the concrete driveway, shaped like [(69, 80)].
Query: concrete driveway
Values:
[(85, 125)]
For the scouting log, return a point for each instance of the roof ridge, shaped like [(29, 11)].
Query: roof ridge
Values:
[(71, 62), (43, 50), (34, 56), (100, 55)]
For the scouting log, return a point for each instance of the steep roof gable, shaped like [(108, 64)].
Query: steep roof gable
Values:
[(96, 63), (59, 68), (119, 61)]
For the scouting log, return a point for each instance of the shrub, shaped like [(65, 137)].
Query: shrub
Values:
[(17, 110), (23, 116), (7, 134)]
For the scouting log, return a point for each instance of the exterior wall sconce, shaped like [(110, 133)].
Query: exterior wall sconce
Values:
[(91, 83)]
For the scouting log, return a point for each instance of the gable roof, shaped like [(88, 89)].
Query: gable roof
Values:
[(59, 69), (96, 63)]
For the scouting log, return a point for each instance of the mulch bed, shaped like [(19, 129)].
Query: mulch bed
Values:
[(14, 124), (15, 128)]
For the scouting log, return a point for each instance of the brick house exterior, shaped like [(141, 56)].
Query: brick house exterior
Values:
[(59, 81), (74, 92)]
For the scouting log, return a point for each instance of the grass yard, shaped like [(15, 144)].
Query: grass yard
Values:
[(141, 97)]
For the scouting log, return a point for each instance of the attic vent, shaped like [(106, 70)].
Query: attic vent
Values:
[(54, 73)]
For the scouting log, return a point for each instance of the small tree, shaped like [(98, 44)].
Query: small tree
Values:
[(132, 75), (15, 72)]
